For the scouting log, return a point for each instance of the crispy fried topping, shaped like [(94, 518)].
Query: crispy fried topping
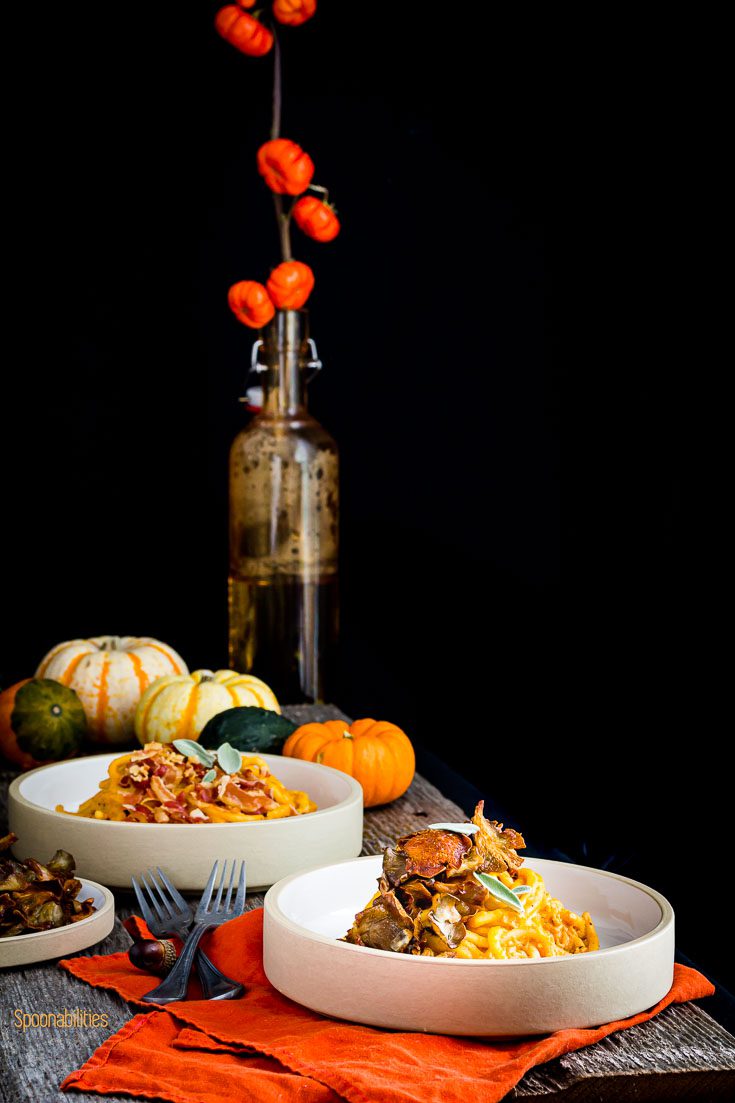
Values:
[(497, 847), (156, 784), (427, 890), (430, 852), (34, 897)]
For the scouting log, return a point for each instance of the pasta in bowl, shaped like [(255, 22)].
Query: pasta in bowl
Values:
[(111, 851), (450, 945), (157, 784), (460, 890)]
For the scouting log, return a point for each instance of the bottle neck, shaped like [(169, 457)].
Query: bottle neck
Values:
[(285, 353)]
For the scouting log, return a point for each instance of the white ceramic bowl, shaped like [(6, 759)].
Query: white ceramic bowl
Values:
[(306, 913), (113, 852), (24, 949)]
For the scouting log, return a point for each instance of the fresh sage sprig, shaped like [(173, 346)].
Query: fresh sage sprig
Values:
[(228, 759), (209, 777), (463, 828), (190, 749), (506, 896)]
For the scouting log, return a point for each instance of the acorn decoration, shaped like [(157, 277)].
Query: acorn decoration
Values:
[(152, 955)]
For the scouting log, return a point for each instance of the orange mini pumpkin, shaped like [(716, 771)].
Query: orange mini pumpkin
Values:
[(285, 167), (290, 284), (316, 218), (243, 31), (375, 752), (250, 303), (294, 12)]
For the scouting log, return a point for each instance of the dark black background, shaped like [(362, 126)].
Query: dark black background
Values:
[(474, 176)]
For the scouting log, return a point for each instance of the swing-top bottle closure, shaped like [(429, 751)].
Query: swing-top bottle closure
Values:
[(253, 397)]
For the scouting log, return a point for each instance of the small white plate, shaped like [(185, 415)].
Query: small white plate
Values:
[(114, 851), (307, 913), (23, 949)]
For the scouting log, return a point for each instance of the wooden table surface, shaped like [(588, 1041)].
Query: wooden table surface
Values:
[(682, 1054)]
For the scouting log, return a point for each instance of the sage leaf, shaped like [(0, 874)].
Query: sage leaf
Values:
[(229, 759), (209, 776), (191, 749), (464, 828), (522, 889), (499, 891)]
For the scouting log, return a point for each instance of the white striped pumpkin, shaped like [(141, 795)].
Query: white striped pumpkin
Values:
[(178, 707), (110, 674)]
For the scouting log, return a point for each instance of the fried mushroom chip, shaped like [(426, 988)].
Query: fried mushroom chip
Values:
[(377, 928), (496, 846), (34, 897), (430, 852), (447, 922)]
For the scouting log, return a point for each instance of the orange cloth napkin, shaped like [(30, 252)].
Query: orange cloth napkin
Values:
[(200, 1051)]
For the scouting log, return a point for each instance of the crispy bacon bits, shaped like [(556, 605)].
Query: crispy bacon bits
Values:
[(156, 784)]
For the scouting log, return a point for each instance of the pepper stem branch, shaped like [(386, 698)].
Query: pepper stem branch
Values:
[(283, 221), (284, 227), (277, 82)]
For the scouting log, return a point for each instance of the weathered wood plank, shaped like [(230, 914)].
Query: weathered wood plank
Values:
[(683, 1054)]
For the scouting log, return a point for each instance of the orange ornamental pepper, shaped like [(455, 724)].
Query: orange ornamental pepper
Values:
[(284, 166), (243, 31), (250, 303), (294, 12), (316, 218), (246, 3), (290, 284)]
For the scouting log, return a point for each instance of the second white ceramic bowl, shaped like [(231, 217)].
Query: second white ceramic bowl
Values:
[(113, 852), (307, 913)]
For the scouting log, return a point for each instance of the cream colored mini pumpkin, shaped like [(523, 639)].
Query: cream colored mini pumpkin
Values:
[(109, 674), (179, 707)]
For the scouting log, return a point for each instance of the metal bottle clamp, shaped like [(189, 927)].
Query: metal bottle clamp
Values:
[(257, 366)]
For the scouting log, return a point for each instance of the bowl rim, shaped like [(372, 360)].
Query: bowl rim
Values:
[(273, 911), (109, 902), (354, 796)]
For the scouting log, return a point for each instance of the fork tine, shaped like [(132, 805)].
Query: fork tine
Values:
[(218, 901), (208, 888), (153, 902), (173, 891), (240, 898), (161, 895), (231, 885), (143, 904)]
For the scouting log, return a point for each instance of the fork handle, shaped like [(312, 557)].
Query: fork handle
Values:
[(215, 985), (174, 986)]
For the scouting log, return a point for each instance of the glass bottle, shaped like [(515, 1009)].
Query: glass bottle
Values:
[(284, 515)]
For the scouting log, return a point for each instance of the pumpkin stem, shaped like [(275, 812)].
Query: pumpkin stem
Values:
[(55, 710), (346, 735), (324, 191)]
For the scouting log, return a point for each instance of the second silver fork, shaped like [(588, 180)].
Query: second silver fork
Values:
[(166, 912), (207, 915)]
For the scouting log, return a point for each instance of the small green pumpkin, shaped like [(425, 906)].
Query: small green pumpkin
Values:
[(249, 729), (40, 721)]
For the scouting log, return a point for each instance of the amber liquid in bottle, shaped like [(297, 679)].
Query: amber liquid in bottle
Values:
[(284, 507)]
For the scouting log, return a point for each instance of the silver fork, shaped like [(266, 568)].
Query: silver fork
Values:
[(206, 916), (166, 912)]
